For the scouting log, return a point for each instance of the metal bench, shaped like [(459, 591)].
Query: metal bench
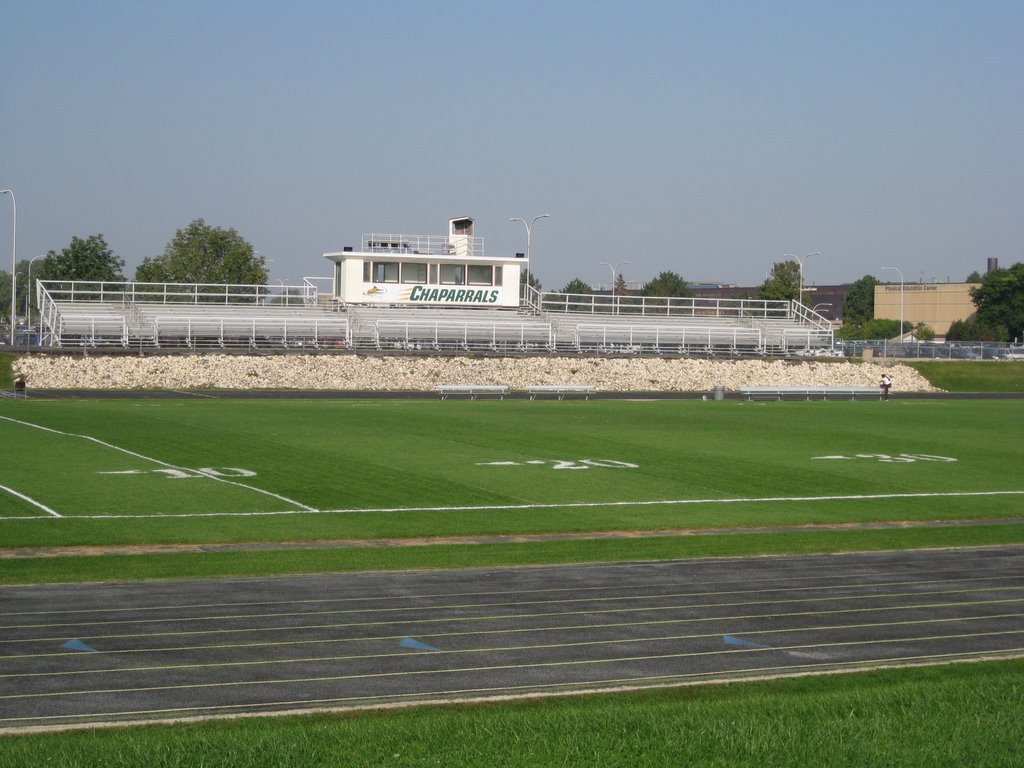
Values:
[(809, 393), (473, 391), (560, 390)]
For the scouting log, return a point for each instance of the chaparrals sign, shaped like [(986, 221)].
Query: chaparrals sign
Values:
[(426, 294)]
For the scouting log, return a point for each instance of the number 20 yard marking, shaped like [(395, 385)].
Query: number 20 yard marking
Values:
[(564, 464)]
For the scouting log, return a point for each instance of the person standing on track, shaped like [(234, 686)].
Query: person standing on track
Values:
[(885, 384)]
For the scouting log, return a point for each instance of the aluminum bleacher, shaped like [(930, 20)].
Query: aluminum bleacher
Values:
[(435, 328), (661, 325), (168, 316), (188, 316)]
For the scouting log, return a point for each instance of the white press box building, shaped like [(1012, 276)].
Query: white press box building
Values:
[(449, 270)]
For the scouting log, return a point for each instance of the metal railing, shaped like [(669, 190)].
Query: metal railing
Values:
[(249, 332), (670, 307), (508, 336), (93, 330), (427, 245), (174, 293), (669, 339)]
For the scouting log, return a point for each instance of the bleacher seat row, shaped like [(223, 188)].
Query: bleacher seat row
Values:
[(252, 325)]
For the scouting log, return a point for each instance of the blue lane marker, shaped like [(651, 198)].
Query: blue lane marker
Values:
[(416, 645), (77, 645), (733, 640)]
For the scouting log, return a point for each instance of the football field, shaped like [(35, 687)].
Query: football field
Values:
[(298, 631), (203, 470)]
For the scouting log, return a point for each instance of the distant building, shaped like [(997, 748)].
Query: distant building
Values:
[(937, 305)]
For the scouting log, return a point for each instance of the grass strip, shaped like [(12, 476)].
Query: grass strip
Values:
[(962, 714), (217, 564), (6, 370), (971, 375)]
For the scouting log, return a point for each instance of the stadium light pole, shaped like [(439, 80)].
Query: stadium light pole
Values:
[(28, 293), (801, 263), (14, 258), (897, 269), (529, 238), (615, 271)]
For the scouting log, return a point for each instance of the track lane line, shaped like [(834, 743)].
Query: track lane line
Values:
[(506, 667), (508, 648), (179, 619)]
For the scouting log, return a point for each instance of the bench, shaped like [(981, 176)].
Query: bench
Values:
[(809, 393), (560, 390), (473, 391)]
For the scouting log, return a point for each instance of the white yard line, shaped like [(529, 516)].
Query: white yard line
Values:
[(209, 475), (31, 501), (565, 505)]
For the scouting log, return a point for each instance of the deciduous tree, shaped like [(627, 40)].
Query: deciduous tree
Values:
[(667, 284), (783, 282), (88, 259), (201, 253), (1000, 300), (859, 306)]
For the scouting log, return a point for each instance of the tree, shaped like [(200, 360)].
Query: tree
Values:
[(972, 330), (883, 329), (532, 281), (577, 285), (5, 299), (974, 277), (1000, 300), (924, 332), (204, 254), (25, 292), (859, 306), (88, 259), (783, 282), (667, 284)]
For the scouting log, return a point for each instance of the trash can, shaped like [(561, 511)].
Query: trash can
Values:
[(719, 392), (869, 353)]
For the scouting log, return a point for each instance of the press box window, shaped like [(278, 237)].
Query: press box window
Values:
[(481, 274), (414, 273), (453, 274), (385, 272)]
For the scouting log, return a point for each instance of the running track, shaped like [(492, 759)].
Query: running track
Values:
[(160, 650)]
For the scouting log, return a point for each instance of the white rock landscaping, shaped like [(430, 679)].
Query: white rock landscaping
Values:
[(381, 373)]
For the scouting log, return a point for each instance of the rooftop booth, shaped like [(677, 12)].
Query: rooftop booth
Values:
[(447, 270)]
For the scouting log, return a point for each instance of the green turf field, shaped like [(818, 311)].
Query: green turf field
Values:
[(95, 472), (157, 471)]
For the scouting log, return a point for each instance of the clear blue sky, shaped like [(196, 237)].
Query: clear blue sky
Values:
[(707, 138)]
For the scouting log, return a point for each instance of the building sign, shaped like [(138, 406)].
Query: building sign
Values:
[(426, 294), (908, 288)]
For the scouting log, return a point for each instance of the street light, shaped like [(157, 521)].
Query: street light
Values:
[(897, 269), (14, 257), (615, 271), (529, 237), (28, 293), (801, 263)]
